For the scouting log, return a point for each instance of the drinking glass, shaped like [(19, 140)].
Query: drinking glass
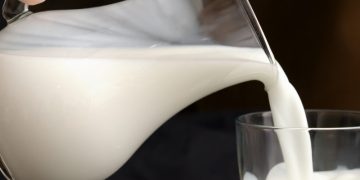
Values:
[(335, 141)]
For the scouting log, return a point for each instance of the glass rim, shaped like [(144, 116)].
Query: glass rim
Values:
[(240, 122)]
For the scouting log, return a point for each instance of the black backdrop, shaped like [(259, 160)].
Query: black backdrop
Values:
[(317, 43)]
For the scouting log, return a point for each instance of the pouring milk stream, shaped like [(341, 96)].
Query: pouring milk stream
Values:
[(80, 90)]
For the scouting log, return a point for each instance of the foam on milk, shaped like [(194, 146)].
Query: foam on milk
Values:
[(73, 43)]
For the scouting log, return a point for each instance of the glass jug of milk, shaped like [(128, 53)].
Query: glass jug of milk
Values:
[(81, 90)]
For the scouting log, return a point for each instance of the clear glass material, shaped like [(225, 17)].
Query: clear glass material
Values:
[(335, 139), (13, 10), (195, 22)]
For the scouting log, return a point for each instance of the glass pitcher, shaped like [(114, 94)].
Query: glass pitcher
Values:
[(81, 90)]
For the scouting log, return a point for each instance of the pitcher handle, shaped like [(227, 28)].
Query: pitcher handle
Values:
[(12, 10), (5, 170)]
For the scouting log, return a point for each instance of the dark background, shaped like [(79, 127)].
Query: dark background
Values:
[(318, 45)]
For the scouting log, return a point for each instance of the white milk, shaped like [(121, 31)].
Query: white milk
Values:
[(80, 90), (279, 172), (61, 115), (288, 112)]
